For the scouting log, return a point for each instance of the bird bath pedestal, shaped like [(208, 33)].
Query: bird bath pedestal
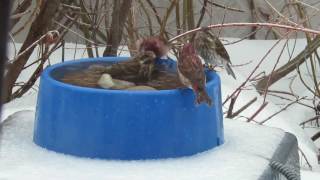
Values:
[(122, 124)]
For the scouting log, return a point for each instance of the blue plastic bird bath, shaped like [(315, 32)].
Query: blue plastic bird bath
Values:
[(121, 124)]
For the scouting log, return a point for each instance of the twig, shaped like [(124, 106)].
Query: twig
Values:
[(29, 20), (32, 45), (315, 136), (244, 107), (281, 15), (147, 15), (19, 15), (272, 71), (166, 17), (270, 25), (254, 70), (303, 82), (288, 99), (232, 102), (244, 37), (63, 49), (154, 10), (308, 5), (69, 29), (258, 111), (243, 64), (283, 109), (309, 120), (305, 158), (202, 12), (14, 44), (22, 7), (225, 7), (291, 65), (71, 7)]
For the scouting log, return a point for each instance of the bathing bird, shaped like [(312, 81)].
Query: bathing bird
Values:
[(138, 68), (156, 44)]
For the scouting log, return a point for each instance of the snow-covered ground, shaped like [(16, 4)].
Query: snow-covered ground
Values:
[(240, 53), (22, 159)]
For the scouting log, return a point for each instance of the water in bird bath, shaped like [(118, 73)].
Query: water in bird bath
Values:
[(88, 75)]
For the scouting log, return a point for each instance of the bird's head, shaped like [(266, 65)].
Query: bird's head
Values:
[(188, 49), (156, 44)]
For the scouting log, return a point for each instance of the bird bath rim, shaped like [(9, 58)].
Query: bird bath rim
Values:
[(47, 75)]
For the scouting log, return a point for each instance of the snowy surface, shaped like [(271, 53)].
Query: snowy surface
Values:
[(240, 53), (240, 156), (308, 175)]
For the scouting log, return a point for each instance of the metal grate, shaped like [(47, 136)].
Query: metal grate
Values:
[(284, 165)]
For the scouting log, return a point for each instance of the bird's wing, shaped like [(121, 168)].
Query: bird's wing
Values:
[(202, 46), (219, 47)]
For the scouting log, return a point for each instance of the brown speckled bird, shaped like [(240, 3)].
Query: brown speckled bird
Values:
[(139, 68), (156, 44), (212, 51), (191, 73)]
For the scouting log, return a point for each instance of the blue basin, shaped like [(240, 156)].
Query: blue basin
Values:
[(121, 124)]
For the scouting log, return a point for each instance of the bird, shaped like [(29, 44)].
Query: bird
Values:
[(191, 73), (212, 51), (138, 68), (156, 44), (51, 37)]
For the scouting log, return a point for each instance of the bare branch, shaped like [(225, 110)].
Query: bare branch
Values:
[(244, 107), (225, 7), (258, 111), (269, 25)]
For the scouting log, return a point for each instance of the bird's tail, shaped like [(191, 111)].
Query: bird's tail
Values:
[(230, 71), (202, 96)]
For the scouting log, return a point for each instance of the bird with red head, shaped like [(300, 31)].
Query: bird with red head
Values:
[(156, 44), (191, 73)]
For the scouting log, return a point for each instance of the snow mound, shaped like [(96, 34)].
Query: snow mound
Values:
[(244, 155)]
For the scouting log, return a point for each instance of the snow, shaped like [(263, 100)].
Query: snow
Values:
[(309, 175), (284, 120), (289, 119), (24, 156), (22, 159)]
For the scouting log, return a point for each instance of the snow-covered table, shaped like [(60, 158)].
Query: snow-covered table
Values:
[(246, 154)]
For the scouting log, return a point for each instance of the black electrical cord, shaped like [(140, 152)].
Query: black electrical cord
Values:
[(285, 170), (4, 22)]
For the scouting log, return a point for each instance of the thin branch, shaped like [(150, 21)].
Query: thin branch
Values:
[(283, 109), (19, 15), (315, 136), (32, 45), (202, 12), (70, 30), (258, 111), (272, 71), (310, 120), (305, 158), (291, 65), (166, 17), (244, 107), (254, 70), (232, 102), (154, 11), (22, 7), (71, 6), (225, 7), (270, 25)]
